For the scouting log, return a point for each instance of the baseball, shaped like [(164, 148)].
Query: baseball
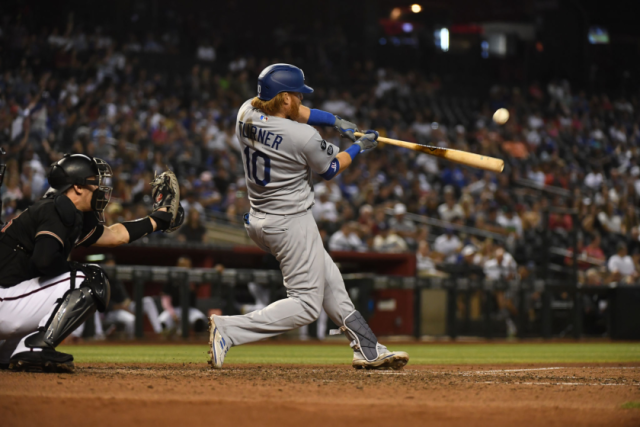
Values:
[(501, 116)]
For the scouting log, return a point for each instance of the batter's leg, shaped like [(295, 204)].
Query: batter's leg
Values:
[(296, 243), (337, 302), (368, 352)]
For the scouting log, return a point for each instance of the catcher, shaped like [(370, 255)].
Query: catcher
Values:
[(44, 297)]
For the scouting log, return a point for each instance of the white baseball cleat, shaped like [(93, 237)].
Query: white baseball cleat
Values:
[(219, 346), (386, 360)]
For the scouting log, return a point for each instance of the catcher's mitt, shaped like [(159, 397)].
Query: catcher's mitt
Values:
[(166, 194)]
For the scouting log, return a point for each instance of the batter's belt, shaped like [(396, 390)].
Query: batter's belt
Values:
[(258, 212)]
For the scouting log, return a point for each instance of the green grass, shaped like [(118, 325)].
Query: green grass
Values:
[(421, 354), (631, 405)]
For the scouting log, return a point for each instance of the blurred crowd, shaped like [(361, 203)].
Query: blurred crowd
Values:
[(568, 153)]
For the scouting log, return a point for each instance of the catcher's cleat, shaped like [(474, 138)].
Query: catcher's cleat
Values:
[(386, 360), (47, 360), (219, 346)]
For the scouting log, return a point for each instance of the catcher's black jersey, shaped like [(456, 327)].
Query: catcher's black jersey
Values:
[(58, 219)]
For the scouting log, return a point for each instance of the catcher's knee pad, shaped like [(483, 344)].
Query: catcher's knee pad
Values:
[(75, 307), (361, 335), (97, 282)]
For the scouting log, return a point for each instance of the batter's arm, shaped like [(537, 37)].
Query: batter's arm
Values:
[(303, 114), (322, 118), (340, 163), (344, 159)]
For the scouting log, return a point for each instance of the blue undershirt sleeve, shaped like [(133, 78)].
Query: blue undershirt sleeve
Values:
[(333, 170), (353, 151), (321, 118)]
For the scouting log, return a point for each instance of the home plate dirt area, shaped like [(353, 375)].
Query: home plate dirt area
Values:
[(268, 395)]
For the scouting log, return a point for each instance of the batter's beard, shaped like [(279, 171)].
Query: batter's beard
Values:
[(294, 110)]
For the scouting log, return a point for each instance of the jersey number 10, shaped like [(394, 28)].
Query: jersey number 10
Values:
[(252, 166)]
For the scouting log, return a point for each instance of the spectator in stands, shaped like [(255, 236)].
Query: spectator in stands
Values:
[(347, 239), (191, 203), (366, 221), (324, 209), (171, 317), (631, 220), (503, 267), (147, 120), (450, 209), (594, 178), (560, 223), (402, 225), (206, 52), (193, 230), (469, 263), (388, 241), (448, 245), (609, 220), (589, 216), (510, 221), (621, 266), (427, 261), (634, 241), (593, 277), (592, 252), (331, 188), (588, 256)]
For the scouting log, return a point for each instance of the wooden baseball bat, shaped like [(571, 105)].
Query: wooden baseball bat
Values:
[(462, 157)]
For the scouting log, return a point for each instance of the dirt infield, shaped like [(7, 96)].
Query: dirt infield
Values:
[(192, 395)]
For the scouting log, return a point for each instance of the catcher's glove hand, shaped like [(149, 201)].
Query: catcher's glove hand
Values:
[(166, 194)]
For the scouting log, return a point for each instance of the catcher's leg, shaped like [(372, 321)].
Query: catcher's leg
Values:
[(36, 352), (7, 347)]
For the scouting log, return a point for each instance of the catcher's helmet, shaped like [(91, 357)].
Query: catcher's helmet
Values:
[(78, 169), (278, 78)]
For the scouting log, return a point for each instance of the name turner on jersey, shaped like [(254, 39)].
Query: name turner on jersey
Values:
[(260, 135)]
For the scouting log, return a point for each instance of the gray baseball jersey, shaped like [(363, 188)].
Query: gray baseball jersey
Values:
[(279, 156)]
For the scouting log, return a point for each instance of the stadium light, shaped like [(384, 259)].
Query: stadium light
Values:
[(416, 8), (441, 38), (396, 12)]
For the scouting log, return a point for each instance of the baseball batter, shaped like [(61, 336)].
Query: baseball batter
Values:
[(44, 297), (280, 151)]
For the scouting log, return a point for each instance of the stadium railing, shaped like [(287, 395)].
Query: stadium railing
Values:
[(620, 316)]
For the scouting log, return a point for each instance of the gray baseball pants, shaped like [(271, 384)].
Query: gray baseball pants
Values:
[(312, 279)]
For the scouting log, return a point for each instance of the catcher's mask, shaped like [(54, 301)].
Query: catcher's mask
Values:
[(78, 169)]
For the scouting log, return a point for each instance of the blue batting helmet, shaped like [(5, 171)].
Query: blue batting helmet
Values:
[(278, 78)]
